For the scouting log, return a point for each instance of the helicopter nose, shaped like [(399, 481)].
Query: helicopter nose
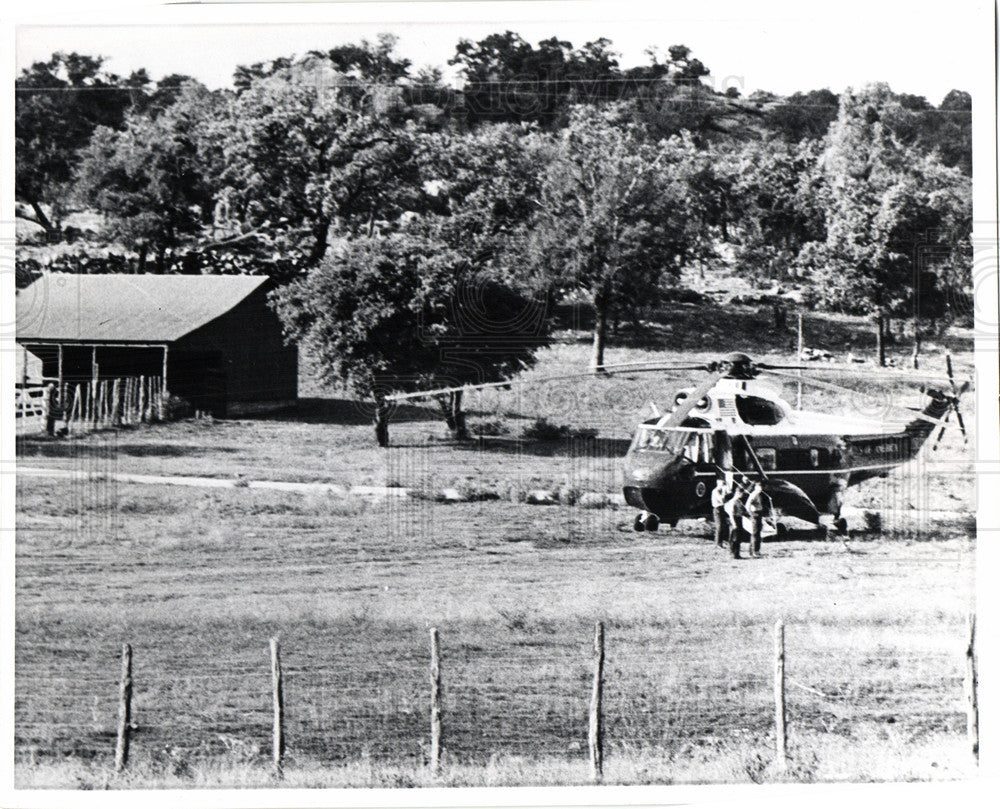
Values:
[(656, 473), (654, 486)]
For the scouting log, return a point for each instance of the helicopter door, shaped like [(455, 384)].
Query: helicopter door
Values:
[(723, 450)]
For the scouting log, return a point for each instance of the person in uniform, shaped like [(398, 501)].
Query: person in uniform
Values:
[(755, 510), (719, 495), (735, 510)]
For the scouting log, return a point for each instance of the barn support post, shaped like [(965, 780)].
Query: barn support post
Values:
[(62, 393), (166, 349)]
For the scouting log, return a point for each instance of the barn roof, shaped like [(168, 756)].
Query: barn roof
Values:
[(126, 308)]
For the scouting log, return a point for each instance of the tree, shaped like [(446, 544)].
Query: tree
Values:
[(803, 116), (405, 312), (774, 205), (152, 179), (485, 186), (312, 153), (616, 212), (368, 61), (899, 221), (59, 104)]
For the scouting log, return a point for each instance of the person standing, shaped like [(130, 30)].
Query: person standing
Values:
[(719, 495), (755, 510), (735, 511), (51, 408)]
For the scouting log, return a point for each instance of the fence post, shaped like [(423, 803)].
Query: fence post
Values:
[(595, 735), (781, 748), (972, 688), (75, 414), (124, 709), (435, 754), (116, 413), (278, 700)]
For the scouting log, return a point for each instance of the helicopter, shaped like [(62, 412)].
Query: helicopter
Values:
[(735, 424)]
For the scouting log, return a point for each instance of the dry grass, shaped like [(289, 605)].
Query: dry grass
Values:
[(870, 755), (197, 587)]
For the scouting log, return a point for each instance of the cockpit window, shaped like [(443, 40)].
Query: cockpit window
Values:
[(693, 444), (755, 410)]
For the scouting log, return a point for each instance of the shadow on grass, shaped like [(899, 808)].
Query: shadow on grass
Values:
[(45, 447), (345, 412), (563, 448)]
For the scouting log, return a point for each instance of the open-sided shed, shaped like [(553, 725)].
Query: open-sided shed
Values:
[(212, 338)]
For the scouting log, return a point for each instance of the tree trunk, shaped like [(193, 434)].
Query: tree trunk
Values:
[(382, 422), (459, 429), (161, 253), (43, 220), (600, 336), (140, 262), (916, 346), (880, 339), (780, 318), (321, 236)]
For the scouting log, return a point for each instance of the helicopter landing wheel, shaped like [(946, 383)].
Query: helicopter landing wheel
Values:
[(652, 522), (781, 531), (638, 525), (840, 524)]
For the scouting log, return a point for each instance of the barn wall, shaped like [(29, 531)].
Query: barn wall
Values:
[(257, 371)]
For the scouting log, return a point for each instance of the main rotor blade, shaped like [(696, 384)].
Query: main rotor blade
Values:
[(913, 414), (685, 407), (621, 368), (828, 368)]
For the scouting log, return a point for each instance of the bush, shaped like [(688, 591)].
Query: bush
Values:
[(176, 408), (489, 427), (544, 430)]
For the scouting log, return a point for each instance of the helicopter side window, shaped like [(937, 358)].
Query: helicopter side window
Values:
[(768, 458), (757, 410)]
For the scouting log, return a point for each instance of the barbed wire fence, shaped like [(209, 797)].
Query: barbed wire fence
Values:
[(524, 696)]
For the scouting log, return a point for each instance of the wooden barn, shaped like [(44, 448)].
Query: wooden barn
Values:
[(212, 339)]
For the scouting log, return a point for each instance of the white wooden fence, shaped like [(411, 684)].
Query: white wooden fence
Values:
[(29, 409), (95, 404)]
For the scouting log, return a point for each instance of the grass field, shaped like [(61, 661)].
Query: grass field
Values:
[(199, 579)]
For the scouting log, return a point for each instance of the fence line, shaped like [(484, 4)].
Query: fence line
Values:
[(576, 723), (94, 404)]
